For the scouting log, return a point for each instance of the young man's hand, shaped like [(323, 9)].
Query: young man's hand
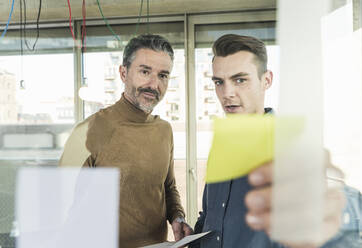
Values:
[(181, 229), (259, 202)]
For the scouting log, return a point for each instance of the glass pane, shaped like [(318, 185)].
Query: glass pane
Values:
[(208, 106), (103, 85), (52, 40), (205, 35), (342, 44), (37, 102), (37, 114), (100, 38)]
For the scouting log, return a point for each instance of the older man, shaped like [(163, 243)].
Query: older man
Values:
[(126, 136)]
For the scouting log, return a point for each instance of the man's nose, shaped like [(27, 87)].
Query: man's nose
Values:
[(229, 90), (153, 81)]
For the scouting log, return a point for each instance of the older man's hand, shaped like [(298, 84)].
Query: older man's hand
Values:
[(259, 202), (181, 229)]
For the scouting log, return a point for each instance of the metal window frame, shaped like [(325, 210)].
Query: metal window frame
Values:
[(78, 64)]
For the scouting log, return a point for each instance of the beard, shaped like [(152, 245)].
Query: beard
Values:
[(143, 103)]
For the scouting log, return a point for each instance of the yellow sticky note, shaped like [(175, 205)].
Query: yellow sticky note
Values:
[(241, 143)]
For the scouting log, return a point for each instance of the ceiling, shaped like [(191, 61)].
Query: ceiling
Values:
[(54, 10)]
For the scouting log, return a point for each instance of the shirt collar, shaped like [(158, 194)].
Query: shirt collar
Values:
[(268, 111)]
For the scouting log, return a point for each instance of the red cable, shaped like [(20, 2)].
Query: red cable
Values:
[(83, 24), (70, 21)]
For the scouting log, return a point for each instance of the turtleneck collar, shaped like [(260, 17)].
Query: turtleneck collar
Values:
[(131, 113)]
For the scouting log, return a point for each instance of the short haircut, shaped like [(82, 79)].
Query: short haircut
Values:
[(147, 41), (232, 43)]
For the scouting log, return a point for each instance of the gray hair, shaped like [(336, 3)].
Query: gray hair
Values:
[(148, 41)]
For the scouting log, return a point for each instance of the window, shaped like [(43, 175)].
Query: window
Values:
[(34, 90), (48, 117), (342, 120), (37, 86)]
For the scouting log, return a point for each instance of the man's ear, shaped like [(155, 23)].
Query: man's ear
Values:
[(268, 79), (123, 73)]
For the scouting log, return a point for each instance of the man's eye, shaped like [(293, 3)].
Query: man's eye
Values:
[(240, 80), (217, 83), (163, 76), (145, 72)]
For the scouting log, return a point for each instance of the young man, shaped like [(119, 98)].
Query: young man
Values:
[(238, 211), (126, 136)]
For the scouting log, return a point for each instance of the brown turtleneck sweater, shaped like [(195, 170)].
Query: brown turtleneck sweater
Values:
[(141, 146)]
